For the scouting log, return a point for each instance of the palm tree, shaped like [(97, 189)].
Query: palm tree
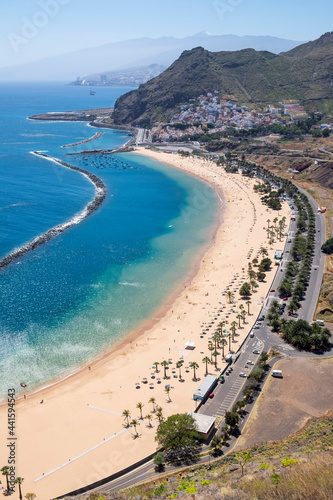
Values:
[(5, 472), (19, 481), (268, 221), (248, 303), (156, 366), (179, 365), (140, 406), (211, 349), (252, 274), (220, 327), (216, 338), (263, 251), (239, 317), (167, 391), (243, 314), (223, 344), (159, 414), (149, 417), (230, 296), (207, 361), (194, 365), (30, 496), (253, 284), (127, 415), (135, 423), (164, 364), (215, 354), (233, 327), (229, 336), (152, 401)]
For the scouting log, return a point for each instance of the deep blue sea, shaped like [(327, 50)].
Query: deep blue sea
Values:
[(71, 299)]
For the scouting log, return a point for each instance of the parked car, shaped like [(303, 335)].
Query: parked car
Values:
[(256, 351), (249, 362), (242, 374), (211, 395), (272, 290)]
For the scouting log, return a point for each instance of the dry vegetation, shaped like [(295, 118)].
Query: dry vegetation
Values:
[(297, 468)]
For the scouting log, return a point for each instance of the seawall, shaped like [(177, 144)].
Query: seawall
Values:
[(100, 195)]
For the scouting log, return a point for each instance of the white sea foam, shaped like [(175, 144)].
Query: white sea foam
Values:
[(126, 283), (40, 135)]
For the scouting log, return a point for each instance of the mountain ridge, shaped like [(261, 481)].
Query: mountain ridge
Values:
[(304, 73)]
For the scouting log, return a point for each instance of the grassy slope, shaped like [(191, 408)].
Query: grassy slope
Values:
[(309, 475)]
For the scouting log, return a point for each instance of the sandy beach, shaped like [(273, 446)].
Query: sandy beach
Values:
[(77, 435)]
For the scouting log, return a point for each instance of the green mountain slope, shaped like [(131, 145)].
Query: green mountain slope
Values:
[(304, 73)]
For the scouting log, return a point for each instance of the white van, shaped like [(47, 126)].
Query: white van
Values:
[(320, 322), (277, 373)]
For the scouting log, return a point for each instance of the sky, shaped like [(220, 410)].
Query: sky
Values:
[(34, 29)]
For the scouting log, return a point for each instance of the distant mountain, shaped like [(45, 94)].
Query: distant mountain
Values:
[(304, 73), (134, 53)]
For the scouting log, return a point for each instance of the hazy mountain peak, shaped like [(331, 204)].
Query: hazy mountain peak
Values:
[(136, 53), (202, 34)]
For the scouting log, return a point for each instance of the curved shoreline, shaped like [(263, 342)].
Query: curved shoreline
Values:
[(95, 136), (161, 311), (100, 195), (82, 409)]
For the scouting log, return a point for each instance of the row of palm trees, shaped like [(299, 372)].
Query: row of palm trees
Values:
[(219, 341), (157, 410), (277, 230), (179, 365), (19, 480)]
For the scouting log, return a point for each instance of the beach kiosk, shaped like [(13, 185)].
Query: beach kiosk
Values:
[(204, 423), (190, 345), (205, 388), (278, 255)]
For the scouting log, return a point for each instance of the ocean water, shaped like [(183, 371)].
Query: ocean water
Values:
[(71, 299)]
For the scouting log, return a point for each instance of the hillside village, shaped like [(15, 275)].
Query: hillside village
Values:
[(210, 114)]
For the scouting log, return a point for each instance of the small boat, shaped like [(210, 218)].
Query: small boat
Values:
[(22, 384), (92, 92)]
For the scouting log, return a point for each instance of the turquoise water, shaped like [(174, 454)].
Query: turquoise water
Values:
[(74, 297)]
